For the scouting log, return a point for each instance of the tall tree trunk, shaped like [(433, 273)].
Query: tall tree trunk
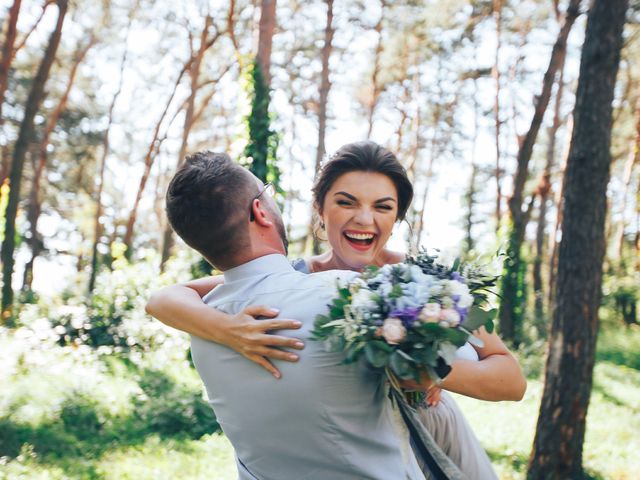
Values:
[(497, 14), (632, 161), (154, 147), (106, 149), (554, 241), (511, 307), (325, 87), (375, 84), (34, 209), (265, 39), (25, 136), (8, 49), (558, 443), (544, 191), (472, 191), (189, 119)]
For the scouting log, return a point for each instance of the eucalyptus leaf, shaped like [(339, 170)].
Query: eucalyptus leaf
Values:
[(376, 356)]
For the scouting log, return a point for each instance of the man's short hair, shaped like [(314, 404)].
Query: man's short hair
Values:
[(208, 205)]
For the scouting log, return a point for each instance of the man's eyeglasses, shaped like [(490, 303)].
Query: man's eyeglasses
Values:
[(270, 189)]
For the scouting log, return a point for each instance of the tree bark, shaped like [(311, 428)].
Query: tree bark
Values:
[(544, 191), (8, 49), (189, 120), (497, 14), (558, 443), (375, 84), (106, 149), (34, 208), (632, 160), (325, 87), (154, 147), (510, 305), (265, 39), (25, 136)]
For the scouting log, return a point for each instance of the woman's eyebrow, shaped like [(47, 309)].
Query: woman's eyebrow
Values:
[(386, 199), (348, 195)]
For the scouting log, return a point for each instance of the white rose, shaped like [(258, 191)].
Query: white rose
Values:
[(393, 331), (466, 300), (430, 312), (363, 300), (450, 316), (457, 288)]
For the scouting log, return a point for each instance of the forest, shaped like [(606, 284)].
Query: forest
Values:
[(517, 121)]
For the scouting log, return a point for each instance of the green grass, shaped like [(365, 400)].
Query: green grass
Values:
[(66, 414)]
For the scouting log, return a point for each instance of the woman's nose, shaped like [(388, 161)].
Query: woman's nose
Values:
[(364, 216)]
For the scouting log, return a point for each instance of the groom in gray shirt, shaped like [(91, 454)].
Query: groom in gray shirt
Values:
[(323, 420)]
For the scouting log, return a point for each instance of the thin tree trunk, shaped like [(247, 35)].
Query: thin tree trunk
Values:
[(510, 306), (106, 149), (265, 40), (375, 84), (471, 193), (189, 120), (497, 13), (25, 137), (554, 241), (558, 443), (632, 160), (154, 147), (325, 87), (8, 49), (543, 191), (34, 207)]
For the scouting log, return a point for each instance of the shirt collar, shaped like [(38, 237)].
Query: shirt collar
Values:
[(266, 265)]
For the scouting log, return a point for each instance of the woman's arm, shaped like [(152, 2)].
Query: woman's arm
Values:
[(496, 376), (181, 307)]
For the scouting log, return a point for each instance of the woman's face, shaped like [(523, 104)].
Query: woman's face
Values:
[(359, 211)]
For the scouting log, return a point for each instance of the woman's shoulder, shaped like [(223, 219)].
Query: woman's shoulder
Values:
[(391, 257)]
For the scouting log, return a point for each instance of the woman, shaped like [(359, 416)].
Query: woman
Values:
[(359, 195)]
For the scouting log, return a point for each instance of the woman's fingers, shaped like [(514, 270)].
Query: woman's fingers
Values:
[(280, 341), (261, 311), (266, 364), (433, 396), (277, 354)]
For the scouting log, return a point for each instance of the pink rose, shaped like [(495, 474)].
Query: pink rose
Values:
[(393, 331)]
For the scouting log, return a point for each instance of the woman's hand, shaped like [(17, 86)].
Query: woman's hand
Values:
[(251, 338), (181, 307)]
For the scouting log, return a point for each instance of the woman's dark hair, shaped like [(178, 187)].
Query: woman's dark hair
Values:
[(364, 157)]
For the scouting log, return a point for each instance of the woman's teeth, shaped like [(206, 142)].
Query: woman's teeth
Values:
[(365, 238)]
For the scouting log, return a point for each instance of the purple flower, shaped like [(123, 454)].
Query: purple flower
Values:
[(408, 315), (458, 277), (463, 313)]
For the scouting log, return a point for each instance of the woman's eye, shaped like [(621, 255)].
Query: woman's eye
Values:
[(385, 207), (343, 203)]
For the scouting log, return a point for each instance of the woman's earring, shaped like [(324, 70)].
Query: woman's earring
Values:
[(322, 225)]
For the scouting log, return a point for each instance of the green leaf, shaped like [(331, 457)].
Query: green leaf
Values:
[(334, 343), (478, 317), (375, 355), (396, 291), (400, 365), (456, 265), (489, 326)]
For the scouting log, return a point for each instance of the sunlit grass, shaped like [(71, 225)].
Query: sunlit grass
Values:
[(72, 416)]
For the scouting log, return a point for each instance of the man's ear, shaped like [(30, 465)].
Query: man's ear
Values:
[(261, 213)]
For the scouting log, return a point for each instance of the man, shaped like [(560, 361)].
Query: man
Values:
[(323, 419)]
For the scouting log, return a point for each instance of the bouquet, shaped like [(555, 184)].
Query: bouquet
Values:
[(409, 318)]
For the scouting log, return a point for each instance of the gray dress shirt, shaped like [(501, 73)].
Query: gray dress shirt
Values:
[(322, 420)]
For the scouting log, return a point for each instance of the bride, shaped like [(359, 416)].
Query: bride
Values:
[(359, 194)]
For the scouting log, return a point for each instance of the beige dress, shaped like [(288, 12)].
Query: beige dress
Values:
[(453, 434)]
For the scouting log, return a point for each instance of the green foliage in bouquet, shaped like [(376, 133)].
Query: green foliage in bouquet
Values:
[(408, 318)]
